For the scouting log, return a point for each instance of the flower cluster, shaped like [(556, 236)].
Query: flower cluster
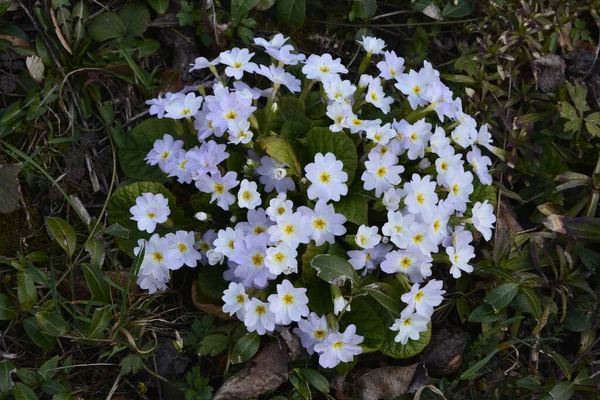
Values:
[(421, 174)]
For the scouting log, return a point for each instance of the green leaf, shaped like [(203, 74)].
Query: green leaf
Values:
[(9, 186), (63, 233), (51, 323), (459, 9), (280, 149), (577, 321), (106, 26), (100, 321), (5, 381), (354, 207), (533, 301), (593, 129), (160, 6), (240, 7), (573, 125), (264, 5), (317, 380), (29, 377), (3, 8), (138, 143), (245, 348), (48, 368), (40, 339), (211, 282), (26, 292), (7, 308), (562, 363), (563, 391), (322, 140), (135, 18), (578, 94), (95, 248), (368, 324), (212, 345), (131, 364), (23, 392), (485, 313), (117, 230), (291, 12), (386, 295), (124, 199), (472, 372), (501, 296), (94, 278), (567, 111), (334, 269)]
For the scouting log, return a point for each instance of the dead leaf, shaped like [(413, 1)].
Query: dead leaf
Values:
[(389, 383), (445, 352), (263, 373), (15, 40), (549, 72), (35, 66), (59, 33)]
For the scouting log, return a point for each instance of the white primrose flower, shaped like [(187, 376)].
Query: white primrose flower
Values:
[(465, 133), (290, 304), (248, 195), (440, 143), (285, 55), (326, 177), (444, 165), (367, 237), (417, 139), (420, 196), (183, 107), (257, 224), (438, 227), (292, 229), (460, 257), (278, 76), (340, 304), (205, 244), (480, 165), (339, 113), (484, 137), (230, 108), (164, 150), (460, 185), (376, 96), (276, 41), (235, 299), (372, 45), (258, 317), (311, 331), (179, 167), (202, 62), (439, 97), (421, 239), (157, 105), (159, 258), (239, 132), (249, 254), (364, 80), (424, 299), (218, 186), (281, 259), (381, 134), (338, 90), (150, 209), (410, 262), (184, 243), (279, 206), (381, 173), (484, 218), (398, 228), (238, 62), (409, 326), (323, 67), (339, 347), (413, 85), (274, 176), (214, 257), (391, 66), (368, 259), (391, 199), (324, 222), (225, 241)]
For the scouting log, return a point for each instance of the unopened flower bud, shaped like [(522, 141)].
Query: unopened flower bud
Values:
[(233, 219), (424, 163), (364, 81), (279, 173), (178, 343), (214, 257), (274, 107), (201, 216), (250, 167), (385, 240)]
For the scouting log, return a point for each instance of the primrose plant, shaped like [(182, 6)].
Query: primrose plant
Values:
[(362, 187)]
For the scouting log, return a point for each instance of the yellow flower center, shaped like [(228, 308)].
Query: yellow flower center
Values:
[(183, 164), (381, 172), (151, 215), (204, 246), (324, 177), (246, 195), (444, 166), (392, 72), (240, 298), (407, 322), (257, 260), (374, 96), (288, 299), (319, 334), (413, 136), (339, 119), (164, 155), (289, 229), (231, 244), (219, 188), (377, 137), (363, 239), (230, 115), (182, 247), (279, 257), (338, 344), (280, 210), (237, 65), (405, 262), (420, 198), (456, 259), (157, 256), (324, 68), (436, 225), (398, 228), (455, 188), (418, 238), (417, 90), (260, 310), (357, 122), (258, 230), (319, 223), (186, 111), (420, 294)]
